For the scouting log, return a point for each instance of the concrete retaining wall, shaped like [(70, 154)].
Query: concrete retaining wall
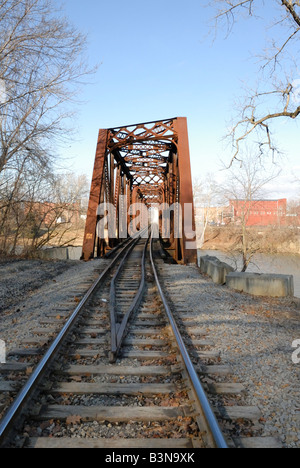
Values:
[(215, 269), (262, 285), (61, 253)]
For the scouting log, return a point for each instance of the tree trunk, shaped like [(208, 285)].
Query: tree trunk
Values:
[(245, 247)]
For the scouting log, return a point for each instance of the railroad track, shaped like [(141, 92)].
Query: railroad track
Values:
[(116, 375)]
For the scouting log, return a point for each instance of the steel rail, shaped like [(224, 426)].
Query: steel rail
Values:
[(118, 334), (13, 412), (208, 413), (112, 305)]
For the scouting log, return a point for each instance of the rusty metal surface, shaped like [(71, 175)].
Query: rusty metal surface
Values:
[(145, 163), (95, 197)]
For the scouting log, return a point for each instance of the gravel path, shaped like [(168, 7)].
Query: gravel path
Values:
[(255, 337)]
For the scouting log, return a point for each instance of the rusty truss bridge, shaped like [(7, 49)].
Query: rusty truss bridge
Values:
[(144, 165)]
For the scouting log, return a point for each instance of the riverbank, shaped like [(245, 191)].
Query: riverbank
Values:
[(267, 240)]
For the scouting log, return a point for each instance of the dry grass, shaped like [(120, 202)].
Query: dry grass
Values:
[(268, 239)]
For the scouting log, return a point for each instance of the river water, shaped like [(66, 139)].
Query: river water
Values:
[(285, 264)]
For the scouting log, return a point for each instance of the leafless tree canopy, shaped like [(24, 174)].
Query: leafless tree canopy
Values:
[(207, 196), (277, 96), (39, 207), (42, 66)]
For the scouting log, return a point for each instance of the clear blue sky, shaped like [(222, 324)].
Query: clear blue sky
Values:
[(158, 60)]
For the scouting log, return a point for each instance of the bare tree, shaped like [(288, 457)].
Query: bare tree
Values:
[(38, 207), (277, 94), (41, 65), (244, 186), (206, 198), (293, 214)]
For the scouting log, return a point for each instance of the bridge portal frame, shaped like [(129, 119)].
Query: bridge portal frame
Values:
[(148, 163)]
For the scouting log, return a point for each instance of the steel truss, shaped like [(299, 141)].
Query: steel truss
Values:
[(146, 163)]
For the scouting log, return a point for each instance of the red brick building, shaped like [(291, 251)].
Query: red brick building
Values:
[(260, 212)]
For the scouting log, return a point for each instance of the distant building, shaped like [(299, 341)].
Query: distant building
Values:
[(259, 212), (48, 214)]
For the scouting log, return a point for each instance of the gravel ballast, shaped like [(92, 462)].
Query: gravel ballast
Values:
[(31, 289), (254, 335)]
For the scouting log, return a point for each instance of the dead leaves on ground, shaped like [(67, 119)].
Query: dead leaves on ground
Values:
[(73, 420)]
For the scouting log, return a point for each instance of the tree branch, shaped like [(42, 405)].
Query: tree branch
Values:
[(248, 122)]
